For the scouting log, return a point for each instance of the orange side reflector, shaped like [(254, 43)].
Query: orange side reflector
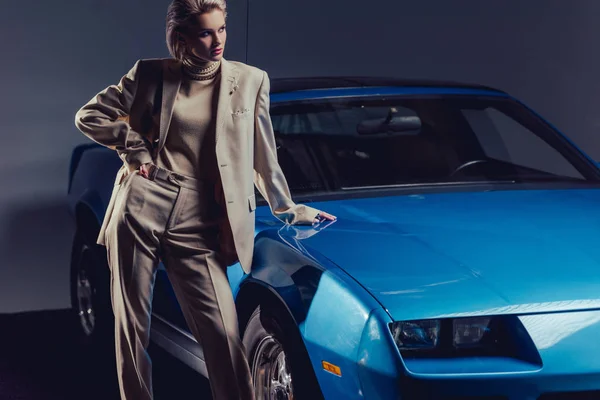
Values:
[(334, 369)]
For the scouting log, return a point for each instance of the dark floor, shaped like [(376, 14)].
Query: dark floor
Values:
[(41, 358)]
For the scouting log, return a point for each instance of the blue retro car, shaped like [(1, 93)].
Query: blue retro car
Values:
[(464, 264)]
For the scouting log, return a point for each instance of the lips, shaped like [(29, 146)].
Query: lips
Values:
[(217, 51)]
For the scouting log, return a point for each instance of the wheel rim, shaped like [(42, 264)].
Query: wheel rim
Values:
[(270, 371), (85, 295)]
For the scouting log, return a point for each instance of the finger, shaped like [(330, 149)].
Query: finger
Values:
[(324, 217), (328, 216)]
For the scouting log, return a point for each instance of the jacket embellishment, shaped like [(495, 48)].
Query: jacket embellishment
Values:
[(240, 111), (234, 84)]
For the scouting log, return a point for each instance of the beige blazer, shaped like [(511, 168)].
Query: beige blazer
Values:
[(136, 112)]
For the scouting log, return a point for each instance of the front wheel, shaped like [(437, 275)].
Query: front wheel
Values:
[(279, 364)]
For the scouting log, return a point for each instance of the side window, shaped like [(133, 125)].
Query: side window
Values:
[(505, 139)]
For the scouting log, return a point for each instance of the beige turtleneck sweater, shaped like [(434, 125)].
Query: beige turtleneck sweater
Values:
[(190, 145)]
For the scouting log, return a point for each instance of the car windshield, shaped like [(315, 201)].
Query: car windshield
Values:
[(341, 144)]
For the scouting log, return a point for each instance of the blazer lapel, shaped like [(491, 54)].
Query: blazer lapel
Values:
[(170, 88), (229, 84)]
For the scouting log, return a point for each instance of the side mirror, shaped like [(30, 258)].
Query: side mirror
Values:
[(394, 125), (398, 120)]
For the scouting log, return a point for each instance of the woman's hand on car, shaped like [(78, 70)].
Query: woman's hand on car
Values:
[(323, 216)]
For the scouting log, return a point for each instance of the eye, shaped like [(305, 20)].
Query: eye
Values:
[(222, 29), (203, 34)]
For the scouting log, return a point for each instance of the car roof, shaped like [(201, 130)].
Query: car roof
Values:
[(282, 85)]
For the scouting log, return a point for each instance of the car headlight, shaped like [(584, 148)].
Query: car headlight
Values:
[(489, 336), (423, 334)]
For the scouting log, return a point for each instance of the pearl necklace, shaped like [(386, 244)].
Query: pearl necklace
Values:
[(197, 71)]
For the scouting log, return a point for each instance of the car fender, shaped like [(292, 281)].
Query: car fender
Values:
[(329, 308)]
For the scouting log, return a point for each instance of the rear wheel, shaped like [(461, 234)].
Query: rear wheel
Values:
[(90, 294), (279, 364)]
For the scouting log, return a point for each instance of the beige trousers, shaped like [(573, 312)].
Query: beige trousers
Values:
[(175, 219)]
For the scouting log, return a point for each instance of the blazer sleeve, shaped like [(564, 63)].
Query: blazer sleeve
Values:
[(268, 176), (105, 120)]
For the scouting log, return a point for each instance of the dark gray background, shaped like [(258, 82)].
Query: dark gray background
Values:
[(57, 55)]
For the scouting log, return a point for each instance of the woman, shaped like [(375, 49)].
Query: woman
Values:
[(195, 135)]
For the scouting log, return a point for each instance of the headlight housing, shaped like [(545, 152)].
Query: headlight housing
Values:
[(416, 335), (485, 336)]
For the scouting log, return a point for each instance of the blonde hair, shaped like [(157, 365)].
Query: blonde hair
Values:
[(178, 16)]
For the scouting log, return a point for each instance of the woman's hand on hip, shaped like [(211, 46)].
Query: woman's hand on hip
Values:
[(145, 170)]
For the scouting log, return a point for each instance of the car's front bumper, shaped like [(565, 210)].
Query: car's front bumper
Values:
[(501, 387)]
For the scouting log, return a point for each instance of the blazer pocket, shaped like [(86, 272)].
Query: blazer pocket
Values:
[(252, 202)]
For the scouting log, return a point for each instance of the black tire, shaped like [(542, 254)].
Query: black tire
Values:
[(269, 324), (88, 263)]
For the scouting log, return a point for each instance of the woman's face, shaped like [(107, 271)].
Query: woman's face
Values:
[(205, 36)]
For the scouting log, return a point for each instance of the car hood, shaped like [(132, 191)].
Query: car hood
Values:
[(458, 254)]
